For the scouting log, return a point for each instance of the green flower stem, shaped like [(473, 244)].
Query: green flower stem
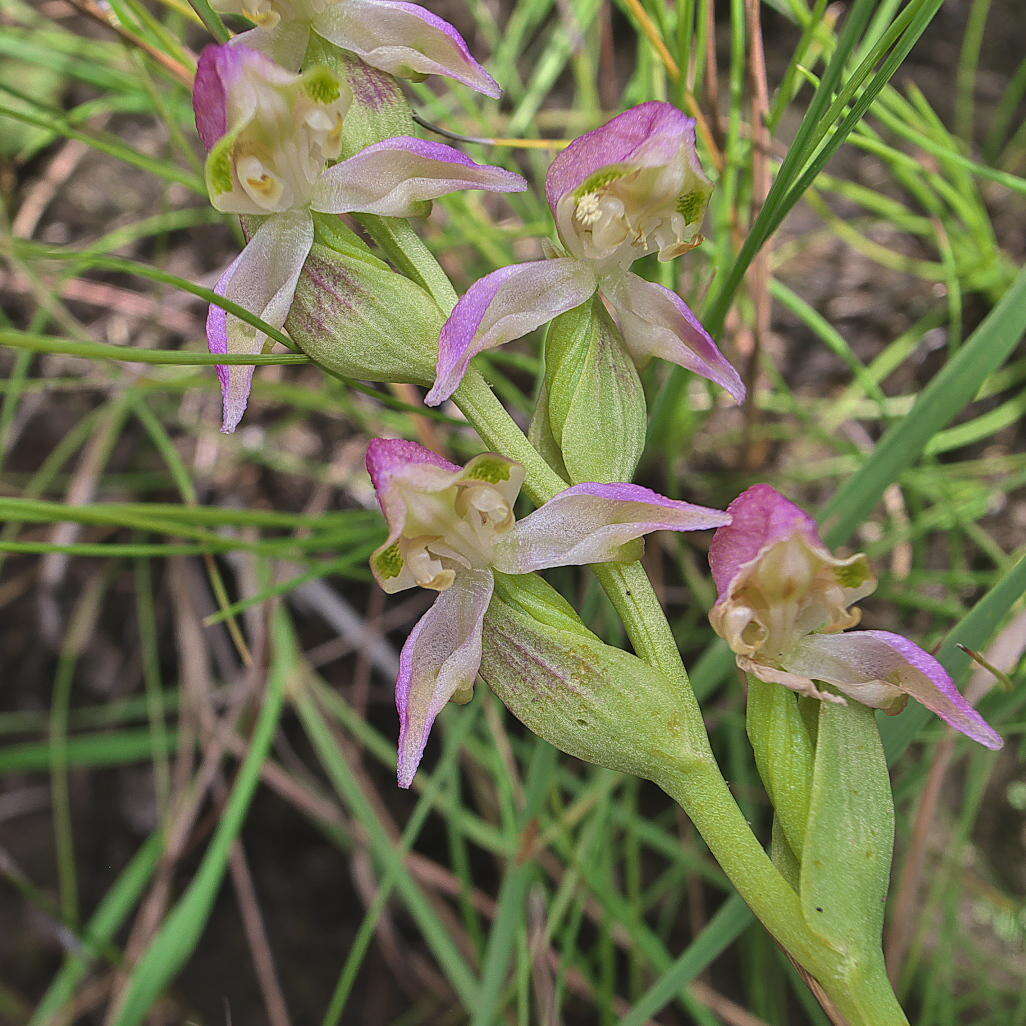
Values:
[(863, 996), (695, 783)]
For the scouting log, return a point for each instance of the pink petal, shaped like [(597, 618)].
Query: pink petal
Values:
[(215, 69), (440, 658), (760, 517), (403, 39), (386, 459), (505, 305), (387, 455), (392, 177), (859, 658), (261, 279), (589, 523), (656, 322), (644, 136)]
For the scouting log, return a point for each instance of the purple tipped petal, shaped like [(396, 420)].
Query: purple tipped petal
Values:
[(441, 658), (392, 177), (858, 659), (261, 279), (389, 459), (387, 455), (760, 517), (210, 91), (644, 136), (218, 97), (403, 39), (656, 322), (505, 305), (589, 523)]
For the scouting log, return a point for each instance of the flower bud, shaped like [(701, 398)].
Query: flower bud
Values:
[(592, 701), (592, 408), (356, 317)]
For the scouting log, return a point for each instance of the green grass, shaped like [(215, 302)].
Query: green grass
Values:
[(533, 888)]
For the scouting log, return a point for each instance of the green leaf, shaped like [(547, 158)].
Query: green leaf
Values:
[(847, 854), (784, 755)]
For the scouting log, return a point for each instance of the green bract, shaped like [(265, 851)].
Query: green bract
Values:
[(590, 419), (356, 317)]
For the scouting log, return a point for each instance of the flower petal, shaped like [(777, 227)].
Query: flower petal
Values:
[(505, 305), (285, 43), (861, 663), (413, 481), (403, 39), (214, 71), (588, 523), (644, 136), (760, 517), (392, 177), (388, 457), (657, 322), (262, 279), (441, 658)]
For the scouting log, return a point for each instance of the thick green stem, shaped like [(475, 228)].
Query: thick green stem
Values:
[(862, 995)]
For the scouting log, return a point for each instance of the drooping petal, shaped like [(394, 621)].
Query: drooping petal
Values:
[(285, 42), (860, 663), (403, 39), (262, 279), (760, 517), (588, 523), (440, 659), (648, 135), (657, 322), (392, 177), (505, 305)]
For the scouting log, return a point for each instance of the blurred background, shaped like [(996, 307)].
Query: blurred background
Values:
[(163, 586)]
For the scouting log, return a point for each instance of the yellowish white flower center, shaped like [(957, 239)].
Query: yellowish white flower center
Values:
[(452, 529), (290, 127), (619, 216)]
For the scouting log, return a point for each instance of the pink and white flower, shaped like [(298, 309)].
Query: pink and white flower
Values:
[(628, 189), (270, 134), (450, 527), (784, 601), (404, 39)]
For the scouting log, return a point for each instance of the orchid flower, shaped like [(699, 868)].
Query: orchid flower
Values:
[(628, 189), (269, 133), (450, 527), (784, 601), (403, 39)]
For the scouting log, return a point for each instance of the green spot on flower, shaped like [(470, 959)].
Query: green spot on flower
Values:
[(321, 85), (852, 575), (691, 205), (219, 167), (389, 563), (488, 469), (599, 180)]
